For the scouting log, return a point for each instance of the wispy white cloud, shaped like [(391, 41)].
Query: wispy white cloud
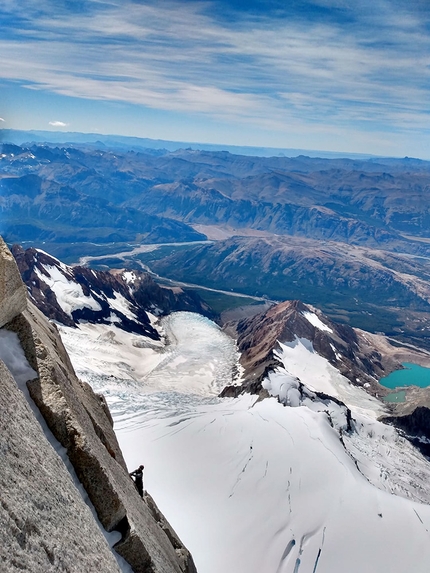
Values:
[(58, 124), (363, 65), (1, 119)]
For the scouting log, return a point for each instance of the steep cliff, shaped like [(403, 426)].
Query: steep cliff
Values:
[(80, 421), (44, 524)]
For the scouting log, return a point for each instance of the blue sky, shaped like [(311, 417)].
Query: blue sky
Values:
[(334, 75)]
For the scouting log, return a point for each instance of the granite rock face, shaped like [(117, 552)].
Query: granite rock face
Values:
[(81, 422), (13, 294), (44, 524)]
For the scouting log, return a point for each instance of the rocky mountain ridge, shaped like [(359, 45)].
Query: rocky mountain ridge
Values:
[(123, 195), (124, 298), (263, 340), (360, 357), (352, 352), (79, 419)]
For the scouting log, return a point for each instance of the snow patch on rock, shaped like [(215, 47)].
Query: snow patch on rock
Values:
[(129, 277), (316, 321), (122, 305), (70, 295)]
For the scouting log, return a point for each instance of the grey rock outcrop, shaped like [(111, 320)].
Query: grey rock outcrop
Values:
[(44, 524), (415, 427), (81, 422), (13, 294)]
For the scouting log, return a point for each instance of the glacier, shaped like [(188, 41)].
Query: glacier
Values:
[(252, 485)]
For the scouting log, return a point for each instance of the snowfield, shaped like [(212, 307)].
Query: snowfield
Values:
[(255, 486)]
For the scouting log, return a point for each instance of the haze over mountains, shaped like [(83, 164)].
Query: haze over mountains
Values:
[(128, 143), (350, 235)]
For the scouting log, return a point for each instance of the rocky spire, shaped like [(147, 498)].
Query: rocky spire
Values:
[(13, 293)]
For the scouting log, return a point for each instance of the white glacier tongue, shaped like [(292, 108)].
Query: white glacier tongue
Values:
[(253, 486), (199, 359), (194, 361), (269, 488)]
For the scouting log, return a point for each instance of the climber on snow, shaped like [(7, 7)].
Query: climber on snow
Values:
[(138, 479)]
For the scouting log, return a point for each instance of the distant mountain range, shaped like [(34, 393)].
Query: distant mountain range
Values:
[(351, 235), (58, 195), (74, 194), (98, 140)]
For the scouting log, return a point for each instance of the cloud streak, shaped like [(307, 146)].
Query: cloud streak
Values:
[(326, 64), (58, 124)]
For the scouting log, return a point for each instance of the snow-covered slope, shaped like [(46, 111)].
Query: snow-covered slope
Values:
[(261, 487), (75, 295), (385, 458), (252, 486)]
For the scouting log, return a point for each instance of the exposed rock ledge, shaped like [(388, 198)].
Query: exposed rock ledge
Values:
[(44, 524), (80, 420)]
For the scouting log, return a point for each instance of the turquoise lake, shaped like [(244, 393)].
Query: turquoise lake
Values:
[(395, 397), (412, 375)]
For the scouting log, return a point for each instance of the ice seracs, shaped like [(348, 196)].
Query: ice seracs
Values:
[(302, 362)]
